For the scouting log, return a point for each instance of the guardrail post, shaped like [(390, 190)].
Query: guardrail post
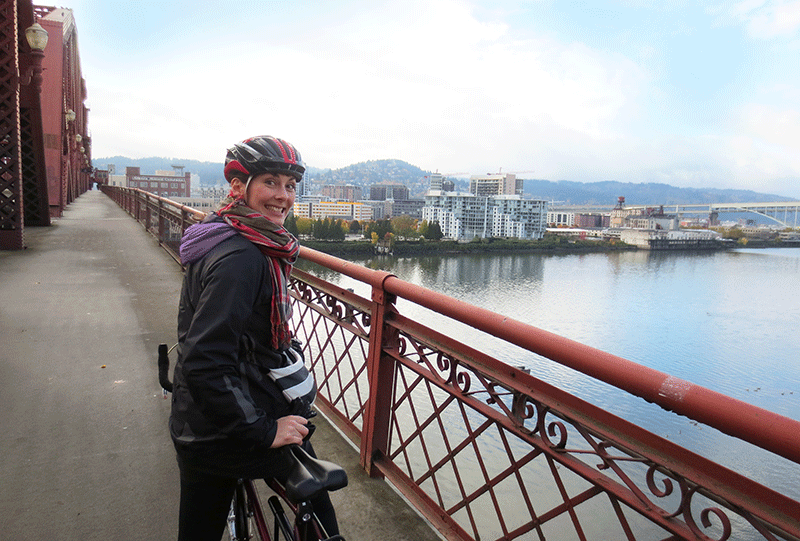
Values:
[(161, 223), (381, 372)]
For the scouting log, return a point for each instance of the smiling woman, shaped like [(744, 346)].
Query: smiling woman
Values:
[(270, 194), (229, 418)]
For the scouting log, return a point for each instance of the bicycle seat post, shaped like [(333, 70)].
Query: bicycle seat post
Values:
[(303, 518)]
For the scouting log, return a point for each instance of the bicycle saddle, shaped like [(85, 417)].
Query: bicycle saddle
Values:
[(311, 475)]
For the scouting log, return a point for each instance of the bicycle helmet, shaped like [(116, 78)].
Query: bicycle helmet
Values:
[(263, 154)]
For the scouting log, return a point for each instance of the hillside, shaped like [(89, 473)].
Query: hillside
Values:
[(367, 173), (210, 172), (607, 192)]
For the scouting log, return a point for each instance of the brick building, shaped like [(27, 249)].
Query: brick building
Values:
[(165, 185)]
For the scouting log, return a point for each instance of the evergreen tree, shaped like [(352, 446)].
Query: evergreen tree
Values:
[(434, 232), (290, 224)]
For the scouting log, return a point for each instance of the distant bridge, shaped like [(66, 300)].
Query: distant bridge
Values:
[(786, 213)]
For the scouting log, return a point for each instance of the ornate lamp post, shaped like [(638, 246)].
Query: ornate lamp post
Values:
[(37, 41)]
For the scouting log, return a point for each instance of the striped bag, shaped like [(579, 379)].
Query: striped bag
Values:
[(294, 380)]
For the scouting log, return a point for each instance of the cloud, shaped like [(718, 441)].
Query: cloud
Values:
[(769, 19), (457, 86)]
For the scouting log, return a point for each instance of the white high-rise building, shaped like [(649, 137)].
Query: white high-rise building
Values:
[(466, 216)]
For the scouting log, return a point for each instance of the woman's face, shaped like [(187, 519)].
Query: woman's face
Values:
[(270, 194)]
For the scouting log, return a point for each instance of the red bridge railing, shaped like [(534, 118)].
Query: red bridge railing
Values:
[(488, 451)]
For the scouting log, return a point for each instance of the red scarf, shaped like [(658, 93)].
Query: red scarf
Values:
[(281, 249)]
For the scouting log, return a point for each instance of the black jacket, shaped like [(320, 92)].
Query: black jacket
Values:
[(222, 396)]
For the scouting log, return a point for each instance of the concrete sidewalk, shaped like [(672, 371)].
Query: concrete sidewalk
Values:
[(85, 449)]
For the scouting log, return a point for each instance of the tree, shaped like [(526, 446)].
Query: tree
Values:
[(304, 226), (423, 228), (354, 227), (380, 227), (433, 231), (339, 230), (404, 226), (328, 229), (290, 224)]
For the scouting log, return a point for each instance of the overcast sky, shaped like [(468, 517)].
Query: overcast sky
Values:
[(688, 93)]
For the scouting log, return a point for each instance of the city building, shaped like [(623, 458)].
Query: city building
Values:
[(388, 190), (499, 184), (216, 192), (659, 239), (559, 218), (317, 209), (466, 216), (165, 183), (342, 192), (642, 217), (404, 207), (588, 220), (203, 204)]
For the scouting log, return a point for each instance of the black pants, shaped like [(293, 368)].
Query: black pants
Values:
[(208, 482)]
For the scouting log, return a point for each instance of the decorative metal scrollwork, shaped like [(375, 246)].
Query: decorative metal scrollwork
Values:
[(705, 518)]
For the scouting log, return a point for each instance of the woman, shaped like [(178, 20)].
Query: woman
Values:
[(229, 418)]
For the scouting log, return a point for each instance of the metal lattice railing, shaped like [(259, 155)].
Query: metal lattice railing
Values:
[(488, 451)]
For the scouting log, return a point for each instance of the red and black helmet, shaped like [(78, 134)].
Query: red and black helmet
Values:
[(263, 154)]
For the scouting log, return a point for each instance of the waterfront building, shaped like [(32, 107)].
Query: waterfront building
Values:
[(556, 218), (466, 216), (758, 232), (318, 209), (659, 239), (592, 219), (561, 218)]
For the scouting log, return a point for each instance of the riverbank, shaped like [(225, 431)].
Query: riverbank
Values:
[(450, 247), (548, 245)]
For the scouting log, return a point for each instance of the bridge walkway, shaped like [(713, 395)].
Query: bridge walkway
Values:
[(86, 454)]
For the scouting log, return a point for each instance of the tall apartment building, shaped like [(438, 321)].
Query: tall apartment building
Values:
[(466, 216), (499, 184)]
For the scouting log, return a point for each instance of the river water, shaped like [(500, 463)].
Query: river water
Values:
[(727, 321)]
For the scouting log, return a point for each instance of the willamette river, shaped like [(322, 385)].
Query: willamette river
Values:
[(723, 320)]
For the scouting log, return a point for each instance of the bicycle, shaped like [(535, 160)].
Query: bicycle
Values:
[(308, 477)]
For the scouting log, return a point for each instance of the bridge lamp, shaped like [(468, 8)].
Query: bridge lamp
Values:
[(36, 37)]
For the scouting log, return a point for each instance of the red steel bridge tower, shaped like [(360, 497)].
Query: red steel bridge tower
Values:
[(45, 153)]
